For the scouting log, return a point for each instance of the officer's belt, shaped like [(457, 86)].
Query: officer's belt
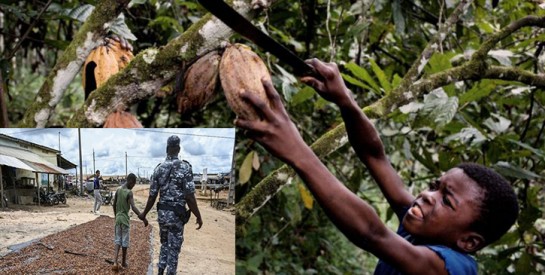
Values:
[(178, 209)]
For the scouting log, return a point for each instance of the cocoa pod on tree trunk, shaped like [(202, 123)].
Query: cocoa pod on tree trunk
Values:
[(199, 83), (241, 70)]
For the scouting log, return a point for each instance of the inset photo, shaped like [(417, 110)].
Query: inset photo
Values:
[(108, 201)]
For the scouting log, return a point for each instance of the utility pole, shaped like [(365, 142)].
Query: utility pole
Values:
[(80, 163), (94, 160), (59, 142), (126, 173)]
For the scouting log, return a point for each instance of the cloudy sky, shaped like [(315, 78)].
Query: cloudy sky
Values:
[(210, 148)]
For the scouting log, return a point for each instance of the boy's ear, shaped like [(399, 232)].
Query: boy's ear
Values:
[(470, 242)]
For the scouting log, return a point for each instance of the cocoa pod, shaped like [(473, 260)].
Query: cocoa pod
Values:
[(242, 70), (123, 56), (122, 119), (199, 83), (102, 63)]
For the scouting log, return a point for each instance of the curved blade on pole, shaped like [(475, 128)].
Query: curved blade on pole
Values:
[(241, 25)]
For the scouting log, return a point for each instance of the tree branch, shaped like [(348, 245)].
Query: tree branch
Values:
[(89, 36)]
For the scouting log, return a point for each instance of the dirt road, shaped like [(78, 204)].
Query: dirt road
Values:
[(210, 250)]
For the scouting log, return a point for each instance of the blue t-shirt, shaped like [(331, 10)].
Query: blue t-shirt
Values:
[(96, 183), (456, 263)]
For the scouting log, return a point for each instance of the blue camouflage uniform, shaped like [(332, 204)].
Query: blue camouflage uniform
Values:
[(172, 195)]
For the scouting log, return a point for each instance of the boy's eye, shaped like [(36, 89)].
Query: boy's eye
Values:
[(446, 201), (434, 185)]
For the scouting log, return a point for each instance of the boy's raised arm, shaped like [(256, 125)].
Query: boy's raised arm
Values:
[(353, 216), (361, 133)]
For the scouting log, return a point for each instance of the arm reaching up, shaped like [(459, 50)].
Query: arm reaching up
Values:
[(354, 217), (362, 134)]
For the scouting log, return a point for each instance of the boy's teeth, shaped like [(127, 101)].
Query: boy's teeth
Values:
[(415, 210)]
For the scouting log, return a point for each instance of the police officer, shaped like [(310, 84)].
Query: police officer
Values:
[(174, 180)]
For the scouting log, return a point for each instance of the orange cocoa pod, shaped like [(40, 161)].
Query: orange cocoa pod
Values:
[(123, 56), (241, 70), (98, 67), (199, 83), (122, 119)]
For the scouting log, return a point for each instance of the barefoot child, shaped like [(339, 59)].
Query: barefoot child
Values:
[(122, 200), (467, 208)]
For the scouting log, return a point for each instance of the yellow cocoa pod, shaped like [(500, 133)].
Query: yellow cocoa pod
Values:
[(99, 66), (200, 81), (122, 119), (123, 56), (242, 70)]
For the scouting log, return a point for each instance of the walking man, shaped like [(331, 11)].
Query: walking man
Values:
[(174, 180), (96, 190)]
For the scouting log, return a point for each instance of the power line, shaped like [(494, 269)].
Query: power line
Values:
[(31, 130), (182, 134)]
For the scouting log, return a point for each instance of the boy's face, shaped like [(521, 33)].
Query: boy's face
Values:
[(130, 184), (443, 214)]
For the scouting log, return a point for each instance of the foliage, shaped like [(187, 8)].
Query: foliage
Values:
[(498, 123)]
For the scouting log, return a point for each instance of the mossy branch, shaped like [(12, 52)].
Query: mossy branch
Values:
[(69, 63)]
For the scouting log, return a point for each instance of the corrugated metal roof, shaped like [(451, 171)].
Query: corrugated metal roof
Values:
[(21, 154), (14, 162), (36, 163), (45, 168)]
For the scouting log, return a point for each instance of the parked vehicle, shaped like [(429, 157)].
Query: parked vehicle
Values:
[(61, 197), (107, 197), (47, 197)]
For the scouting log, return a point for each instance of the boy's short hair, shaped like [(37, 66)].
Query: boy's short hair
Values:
[(131, 177), (499, 205)]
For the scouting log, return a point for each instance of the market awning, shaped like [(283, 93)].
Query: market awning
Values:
[(14, 162), (31, 160), (46, 168), (64, 163)]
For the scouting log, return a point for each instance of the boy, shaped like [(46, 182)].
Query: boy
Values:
[(467, 208), (122, 199)]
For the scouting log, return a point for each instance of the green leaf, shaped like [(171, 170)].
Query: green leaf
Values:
[(469, 136), (481, 90), (120, 28), (498, 125), (362, 74), (245, 171), (524, 264), (509, 170), (537, 152), (438, 109), (439, 62), (354, 81), (396, 81), (303, 95), (80, 13), (381, 76)]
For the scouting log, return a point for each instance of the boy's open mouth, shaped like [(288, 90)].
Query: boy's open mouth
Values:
[(416, 211)]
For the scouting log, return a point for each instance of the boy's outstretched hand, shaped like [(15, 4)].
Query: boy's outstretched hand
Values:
[(332, 88), (276, 132)]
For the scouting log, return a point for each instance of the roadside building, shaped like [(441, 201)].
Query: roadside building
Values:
[(26, 166)]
